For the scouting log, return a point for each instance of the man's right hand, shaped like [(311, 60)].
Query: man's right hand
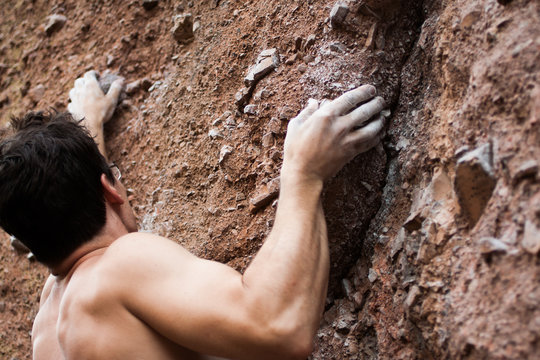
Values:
[(323, 138)]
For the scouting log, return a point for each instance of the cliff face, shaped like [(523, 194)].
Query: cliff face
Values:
[(449, 265), (434, 236)]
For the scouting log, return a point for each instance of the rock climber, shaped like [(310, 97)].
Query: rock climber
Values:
[(114, 293)]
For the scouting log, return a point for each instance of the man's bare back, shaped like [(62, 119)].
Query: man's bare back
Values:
[(129, 295), (83, 305)]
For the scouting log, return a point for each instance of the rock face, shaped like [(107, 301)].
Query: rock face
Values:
[(433, 235)]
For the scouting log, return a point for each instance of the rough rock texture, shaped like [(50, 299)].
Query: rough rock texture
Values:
[(427, 263)]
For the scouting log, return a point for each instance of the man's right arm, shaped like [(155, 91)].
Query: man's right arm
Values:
[(274, 309)]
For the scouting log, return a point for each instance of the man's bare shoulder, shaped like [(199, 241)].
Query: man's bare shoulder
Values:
[(143, 243), (136, 254)]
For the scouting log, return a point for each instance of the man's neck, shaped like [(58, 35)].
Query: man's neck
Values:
[(112, 230)]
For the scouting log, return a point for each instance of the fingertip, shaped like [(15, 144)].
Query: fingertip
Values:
[(312, 102), (117, 84), (92, 74), (116, 88), (369, 89)]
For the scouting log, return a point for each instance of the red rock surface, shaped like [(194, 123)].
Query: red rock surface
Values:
[(412, 276)]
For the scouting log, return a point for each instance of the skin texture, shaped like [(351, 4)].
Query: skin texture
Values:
[(129, 295)]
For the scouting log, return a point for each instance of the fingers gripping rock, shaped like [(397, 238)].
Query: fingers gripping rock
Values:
[(106, 80)]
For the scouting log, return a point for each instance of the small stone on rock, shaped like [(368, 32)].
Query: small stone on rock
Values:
[(267, 61), (268, 140), (242, 96), (55, 22), (347, 287), (36, 93), (291, 59), (338, 47), (489, 245), (372, 276), (397, 244), (133, 87), (215, 133), (265, 195), (274, 126), (286, 113), (250, 109), (412, 296), (310, 41), (370, 41), (338, 14), (106, 80), (224, 153)]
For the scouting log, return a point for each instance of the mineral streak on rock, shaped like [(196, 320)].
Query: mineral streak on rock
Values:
[(182, 30), (55, 22), (267, 61), (475, 181), (264, 195)]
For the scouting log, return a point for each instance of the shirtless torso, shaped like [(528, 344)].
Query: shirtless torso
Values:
[(79, 307)]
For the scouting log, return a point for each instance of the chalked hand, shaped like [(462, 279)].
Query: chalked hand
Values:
[(324, 137), (92, 102)]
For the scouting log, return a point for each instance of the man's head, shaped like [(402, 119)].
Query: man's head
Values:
[(51, 195)]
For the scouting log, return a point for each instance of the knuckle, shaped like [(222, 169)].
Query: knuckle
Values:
[(326, 113)]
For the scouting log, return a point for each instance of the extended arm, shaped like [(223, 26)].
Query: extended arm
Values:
[(274, 309)]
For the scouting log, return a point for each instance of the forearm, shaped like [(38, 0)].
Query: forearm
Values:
[(96, 131), (289, 274)]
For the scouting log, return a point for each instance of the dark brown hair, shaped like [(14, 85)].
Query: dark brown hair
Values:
[(51, 197)]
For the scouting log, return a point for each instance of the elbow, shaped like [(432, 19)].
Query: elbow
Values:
[(294, 342), (302, 349)]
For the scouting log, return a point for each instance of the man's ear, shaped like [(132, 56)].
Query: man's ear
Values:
[(110, 192)]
